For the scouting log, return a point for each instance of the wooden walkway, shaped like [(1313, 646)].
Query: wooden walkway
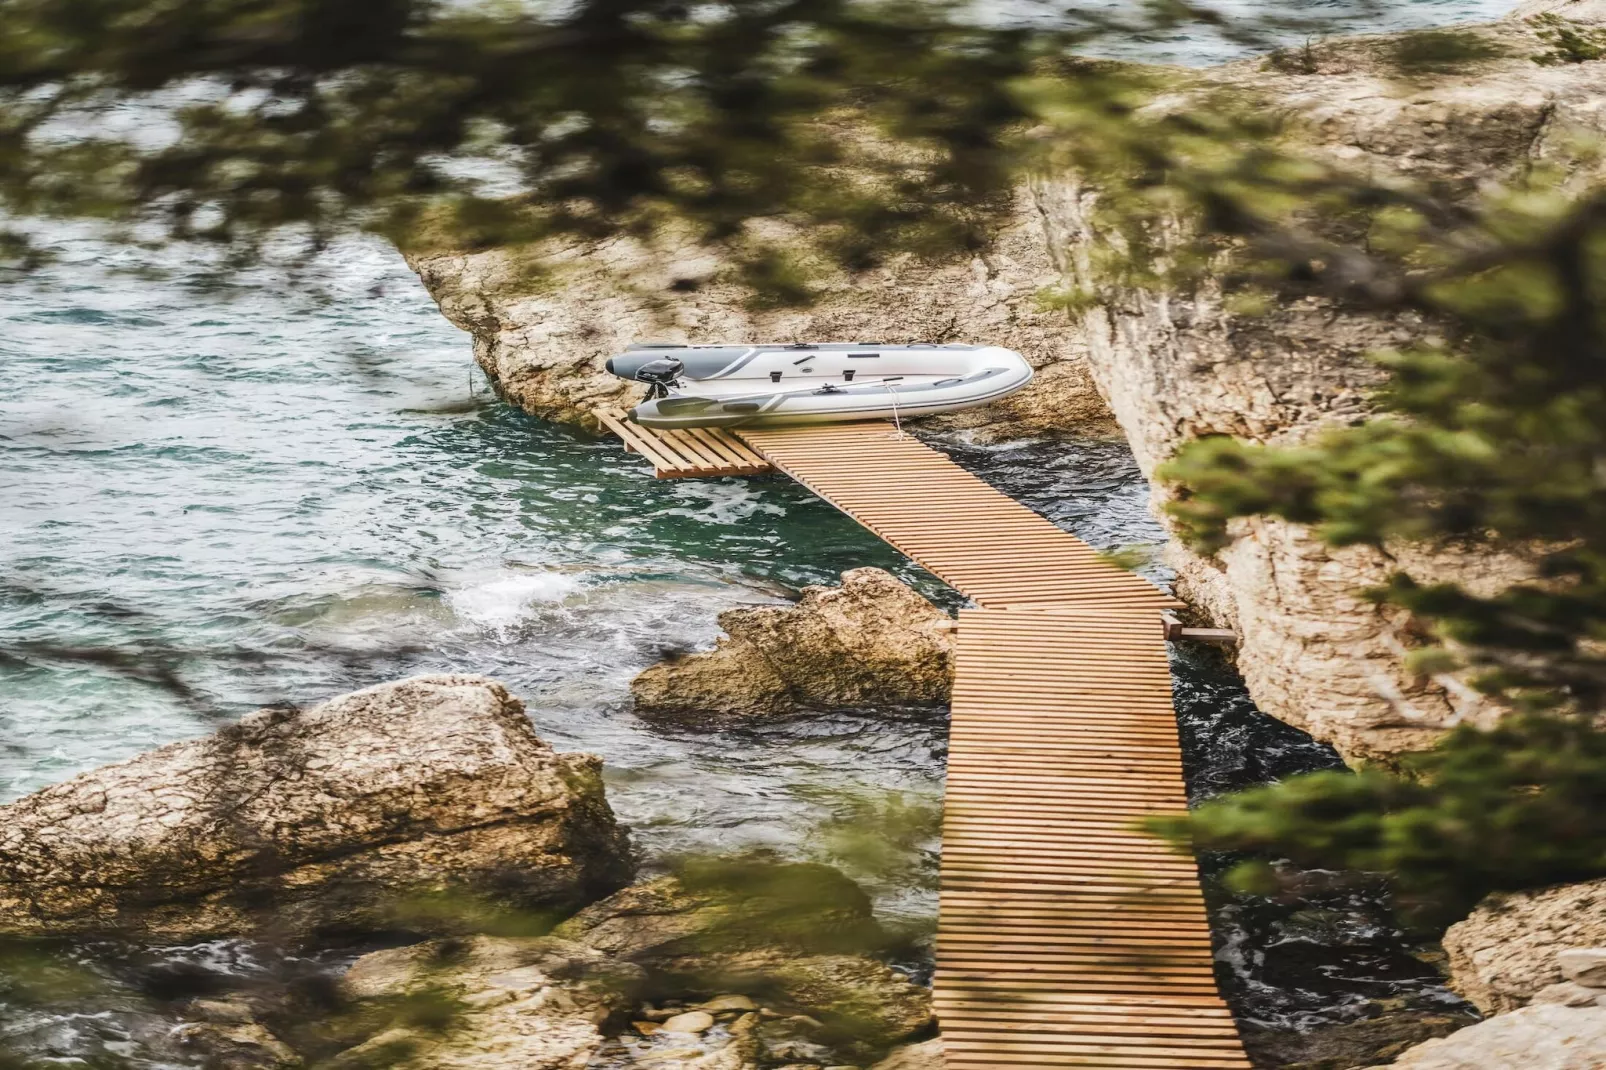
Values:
[(1066, 937), (699, 452), (986, 545)]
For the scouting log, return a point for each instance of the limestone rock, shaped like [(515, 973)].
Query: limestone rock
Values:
[(543, 344), (1584, 965), (1507, 950), (504, 1004), (871, 642), (690, 1022), (236, 1046), (1569, 994), (1543, 1037), (927, 1055), (791, 935), (1175, 366), (1577, 10), (312, 820)]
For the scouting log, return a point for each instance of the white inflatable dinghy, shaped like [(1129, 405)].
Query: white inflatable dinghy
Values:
[(733, 386)]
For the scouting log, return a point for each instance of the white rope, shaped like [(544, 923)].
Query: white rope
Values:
[(897, 424)]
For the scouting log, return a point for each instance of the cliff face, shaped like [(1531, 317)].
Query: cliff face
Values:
[(1167, 366), (1177, 366), (543, 344)]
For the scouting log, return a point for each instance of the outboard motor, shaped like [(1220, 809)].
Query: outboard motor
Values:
[(660, 375)]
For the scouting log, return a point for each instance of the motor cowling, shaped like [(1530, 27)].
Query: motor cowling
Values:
[(660, 375)]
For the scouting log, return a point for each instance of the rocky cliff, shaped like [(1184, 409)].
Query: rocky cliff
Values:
[(1179, 365), (1167, 366)]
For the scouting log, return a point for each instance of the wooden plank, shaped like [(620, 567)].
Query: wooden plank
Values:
[(925, 505), (690, 453), (1062, 737)]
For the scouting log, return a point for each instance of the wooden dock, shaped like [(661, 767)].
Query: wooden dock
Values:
[(699, 452), (1066, 936)]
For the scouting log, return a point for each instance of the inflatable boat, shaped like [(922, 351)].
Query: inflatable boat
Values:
[(771, 385)]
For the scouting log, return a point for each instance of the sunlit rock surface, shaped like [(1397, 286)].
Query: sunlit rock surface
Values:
[(326, 819), (870, 642), (1176, 366), (1542, 1037), (927, 1055), (497, 1003), (1507, 950), (543, 342)]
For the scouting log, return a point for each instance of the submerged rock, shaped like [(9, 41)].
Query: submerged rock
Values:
[(1542, 1037), (294, 823), (488, 1003), (871, 642), (793, 935), (1508, 949), (1345, 1045)]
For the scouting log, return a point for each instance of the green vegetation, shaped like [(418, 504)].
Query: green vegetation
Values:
[(1486, 441), (1520, 806), (1569, 41), (865, 127), (1442, 51)]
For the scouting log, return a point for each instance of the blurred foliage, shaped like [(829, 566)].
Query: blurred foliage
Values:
[(865, 126), (1490, 439), (1569, 41), (1442, 51), (887, 839), (759, 900), (1486, 439), (1522, 805)]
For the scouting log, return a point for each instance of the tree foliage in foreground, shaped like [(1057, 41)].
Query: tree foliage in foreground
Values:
[(872, 125), (1520, 806), (1488, 436)]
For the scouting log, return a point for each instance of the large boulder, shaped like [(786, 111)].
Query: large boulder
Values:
[(870, 642), (1541, 1037), (328, 819), (1507, 950), (797, 935)]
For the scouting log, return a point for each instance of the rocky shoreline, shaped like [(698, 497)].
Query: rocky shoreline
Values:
[(426, 814)]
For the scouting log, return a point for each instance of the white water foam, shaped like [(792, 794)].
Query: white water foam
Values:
[(502, 603)]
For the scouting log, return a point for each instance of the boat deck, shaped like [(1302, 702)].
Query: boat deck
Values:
[(1066, 937)]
